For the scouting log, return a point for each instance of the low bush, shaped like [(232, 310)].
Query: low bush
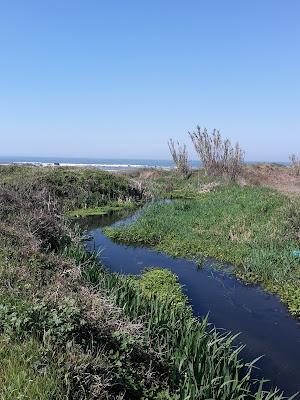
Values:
[(73, 188)]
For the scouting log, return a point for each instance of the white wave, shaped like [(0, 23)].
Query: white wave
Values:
[(103, 166), (62, 164)]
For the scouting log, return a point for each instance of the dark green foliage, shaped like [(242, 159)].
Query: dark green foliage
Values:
[(59, 324)]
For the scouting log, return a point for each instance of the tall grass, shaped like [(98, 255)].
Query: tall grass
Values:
[(204, 363), (105, 336), (218, 155), (24, 374), (295, 164), (180, 157)]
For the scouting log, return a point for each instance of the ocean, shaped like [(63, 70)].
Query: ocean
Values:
[(107, 164)]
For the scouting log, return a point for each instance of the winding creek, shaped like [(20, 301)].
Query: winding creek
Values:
[(265, 326)]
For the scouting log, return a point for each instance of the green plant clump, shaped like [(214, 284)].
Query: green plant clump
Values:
[(163, 284)]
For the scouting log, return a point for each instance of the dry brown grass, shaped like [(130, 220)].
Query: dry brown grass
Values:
[(295, 164), (180, 156), (217, 154), (275, 176)]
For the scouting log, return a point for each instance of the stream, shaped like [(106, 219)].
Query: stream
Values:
[(264, 323)]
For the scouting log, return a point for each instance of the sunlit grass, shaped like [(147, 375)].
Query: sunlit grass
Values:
[(253, 228), (24, 374)]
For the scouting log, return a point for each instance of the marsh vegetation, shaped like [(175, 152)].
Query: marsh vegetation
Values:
[(85, 332), (217, 155), (255, 229)]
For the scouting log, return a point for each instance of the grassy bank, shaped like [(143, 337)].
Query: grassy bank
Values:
[(252, 227), (73, 188), (72, 330), (103, 210), (169, 184), (204, 363)]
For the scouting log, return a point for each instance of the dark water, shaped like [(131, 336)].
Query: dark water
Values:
[(265, 326)]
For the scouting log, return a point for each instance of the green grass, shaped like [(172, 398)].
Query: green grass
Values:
[(163, 284), (204, 363), (170, 184), (71, 329), (75, 187), (24, 374), (222, 224), (103, 210), (254, 228)]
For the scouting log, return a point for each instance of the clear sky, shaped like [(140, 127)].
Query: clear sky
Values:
[(118, 78)]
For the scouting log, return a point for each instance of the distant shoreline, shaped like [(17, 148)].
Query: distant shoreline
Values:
[(104, 167), (106, 164)]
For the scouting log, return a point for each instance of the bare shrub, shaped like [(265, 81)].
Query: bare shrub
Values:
[(180, 156), (295, 164), (218, 155), (32, 217)]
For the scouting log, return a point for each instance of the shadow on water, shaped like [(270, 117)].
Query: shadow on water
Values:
[(265, 326)]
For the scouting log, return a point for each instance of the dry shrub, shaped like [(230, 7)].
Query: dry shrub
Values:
[(295, 164), (180, 156), (218, 155), (31, 217)]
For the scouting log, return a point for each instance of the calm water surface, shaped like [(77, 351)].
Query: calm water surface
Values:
[(264, 324)]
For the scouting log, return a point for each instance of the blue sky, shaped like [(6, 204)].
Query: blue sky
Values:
[(118, 78)]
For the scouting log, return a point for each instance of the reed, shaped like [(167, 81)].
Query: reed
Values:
[(218, 155), (295, 164), (180, 157), (205, 363)]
